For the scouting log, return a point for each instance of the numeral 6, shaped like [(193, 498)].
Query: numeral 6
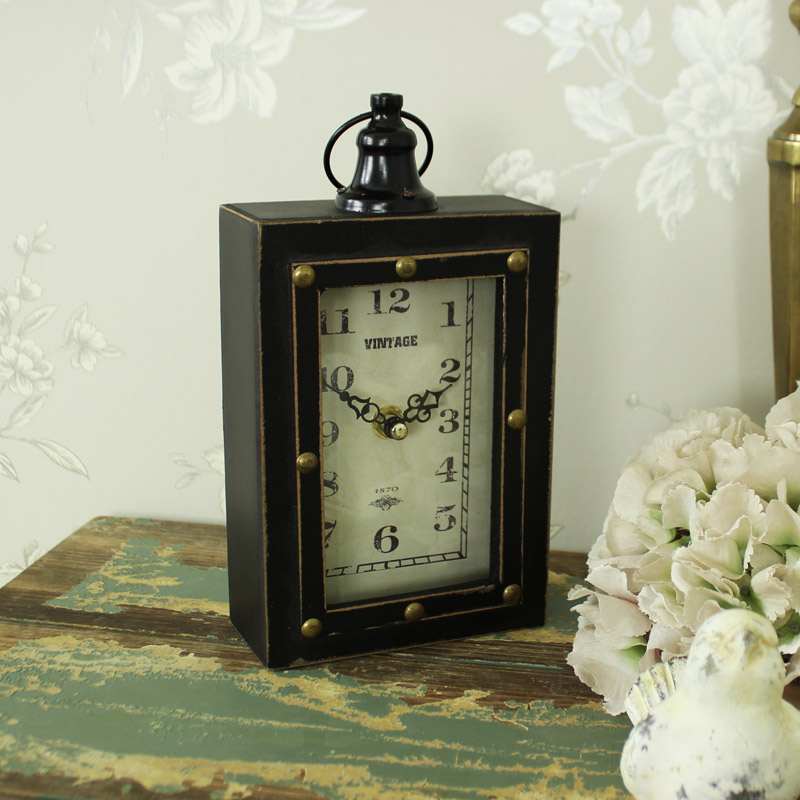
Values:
[(386, 542)]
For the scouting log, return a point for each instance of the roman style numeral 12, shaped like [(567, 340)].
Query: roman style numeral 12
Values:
[(399, 295)]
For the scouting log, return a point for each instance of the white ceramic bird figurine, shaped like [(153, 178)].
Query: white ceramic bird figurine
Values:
[(726, 733)]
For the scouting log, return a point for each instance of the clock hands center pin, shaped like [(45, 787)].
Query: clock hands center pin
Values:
[(391, 422)]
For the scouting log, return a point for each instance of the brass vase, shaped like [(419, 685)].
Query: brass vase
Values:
[(783, 154)]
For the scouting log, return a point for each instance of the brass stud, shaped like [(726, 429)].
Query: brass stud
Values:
[(303, 276), (517, 419), (794, 13), (414, 612), (517, 261), (406, 267), (307, 463), (512, 594), (311, 628)]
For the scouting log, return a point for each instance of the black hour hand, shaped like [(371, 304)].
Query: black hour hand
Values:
[(420, 405)]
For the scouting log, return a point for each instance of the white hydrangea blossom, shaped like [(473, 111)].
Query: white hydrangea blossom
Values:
[(705, 518)]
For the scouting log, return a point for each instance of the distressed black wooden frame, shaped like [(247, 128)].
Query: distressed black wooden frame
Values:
[(271, 411)]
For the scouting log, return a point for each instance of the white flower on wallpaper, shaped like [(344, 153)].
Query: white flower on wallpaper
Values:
[(228, 51), (634, 401), (29, 355), (224, 50), (514, 174), (86, 342), (721, 100), (212, 464)]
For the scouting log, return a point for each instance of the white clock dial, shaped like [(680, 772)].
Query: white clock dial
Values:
[(414, 361)]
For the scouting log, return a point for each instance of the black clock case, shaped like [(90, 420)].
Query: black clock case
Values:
[(275, 569)]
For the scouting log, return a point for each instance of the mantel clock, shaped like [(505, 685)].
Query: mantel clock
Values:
[(387, 399)]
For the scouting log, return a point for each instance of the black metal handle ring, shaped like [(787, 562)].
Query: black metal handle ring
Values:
[(326, 158)]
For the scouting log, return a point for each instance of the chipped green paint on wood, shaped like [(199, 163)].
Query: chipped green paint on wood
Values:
[(103, 710), (147, 573), (157, 706)]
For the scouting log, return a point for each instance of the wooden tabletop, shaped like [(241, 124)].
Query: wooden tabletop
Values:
[(122, 677)]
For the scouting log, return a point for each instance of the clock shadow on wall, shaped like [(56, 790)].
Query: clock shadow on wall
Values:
[(388, 364)]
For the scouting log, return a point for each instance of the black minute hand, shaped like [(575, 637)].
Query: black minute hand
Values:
[(362, 407)]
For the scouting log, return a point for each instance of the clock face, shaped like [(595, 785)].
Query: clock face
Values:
[(407, 397)]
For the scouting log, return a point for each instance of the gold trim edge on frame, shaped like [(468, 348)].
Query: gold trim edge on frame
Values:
[(416, 596)]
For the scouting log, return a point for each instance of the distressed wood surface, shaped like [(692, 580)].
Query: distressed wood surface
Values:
[(121, 677)]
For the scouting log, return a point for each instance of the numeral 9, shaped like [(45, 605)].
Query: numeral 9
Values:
[(330, 432)]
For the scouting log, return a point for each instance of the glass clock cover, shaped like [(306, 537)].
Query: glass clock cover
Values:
[(407, 379)]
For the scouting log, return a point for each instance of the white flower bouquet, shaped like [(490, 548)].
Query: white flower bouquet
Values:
[(704, 518)]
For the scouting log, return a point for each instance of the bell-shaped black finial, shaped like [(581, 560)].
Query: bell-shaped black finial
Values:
[(386, 180)]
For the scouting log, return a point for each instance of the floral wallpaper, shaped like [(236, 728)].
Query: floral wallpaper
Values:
[(720, 102), (228, 48), (130, 121), (27, 369)]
